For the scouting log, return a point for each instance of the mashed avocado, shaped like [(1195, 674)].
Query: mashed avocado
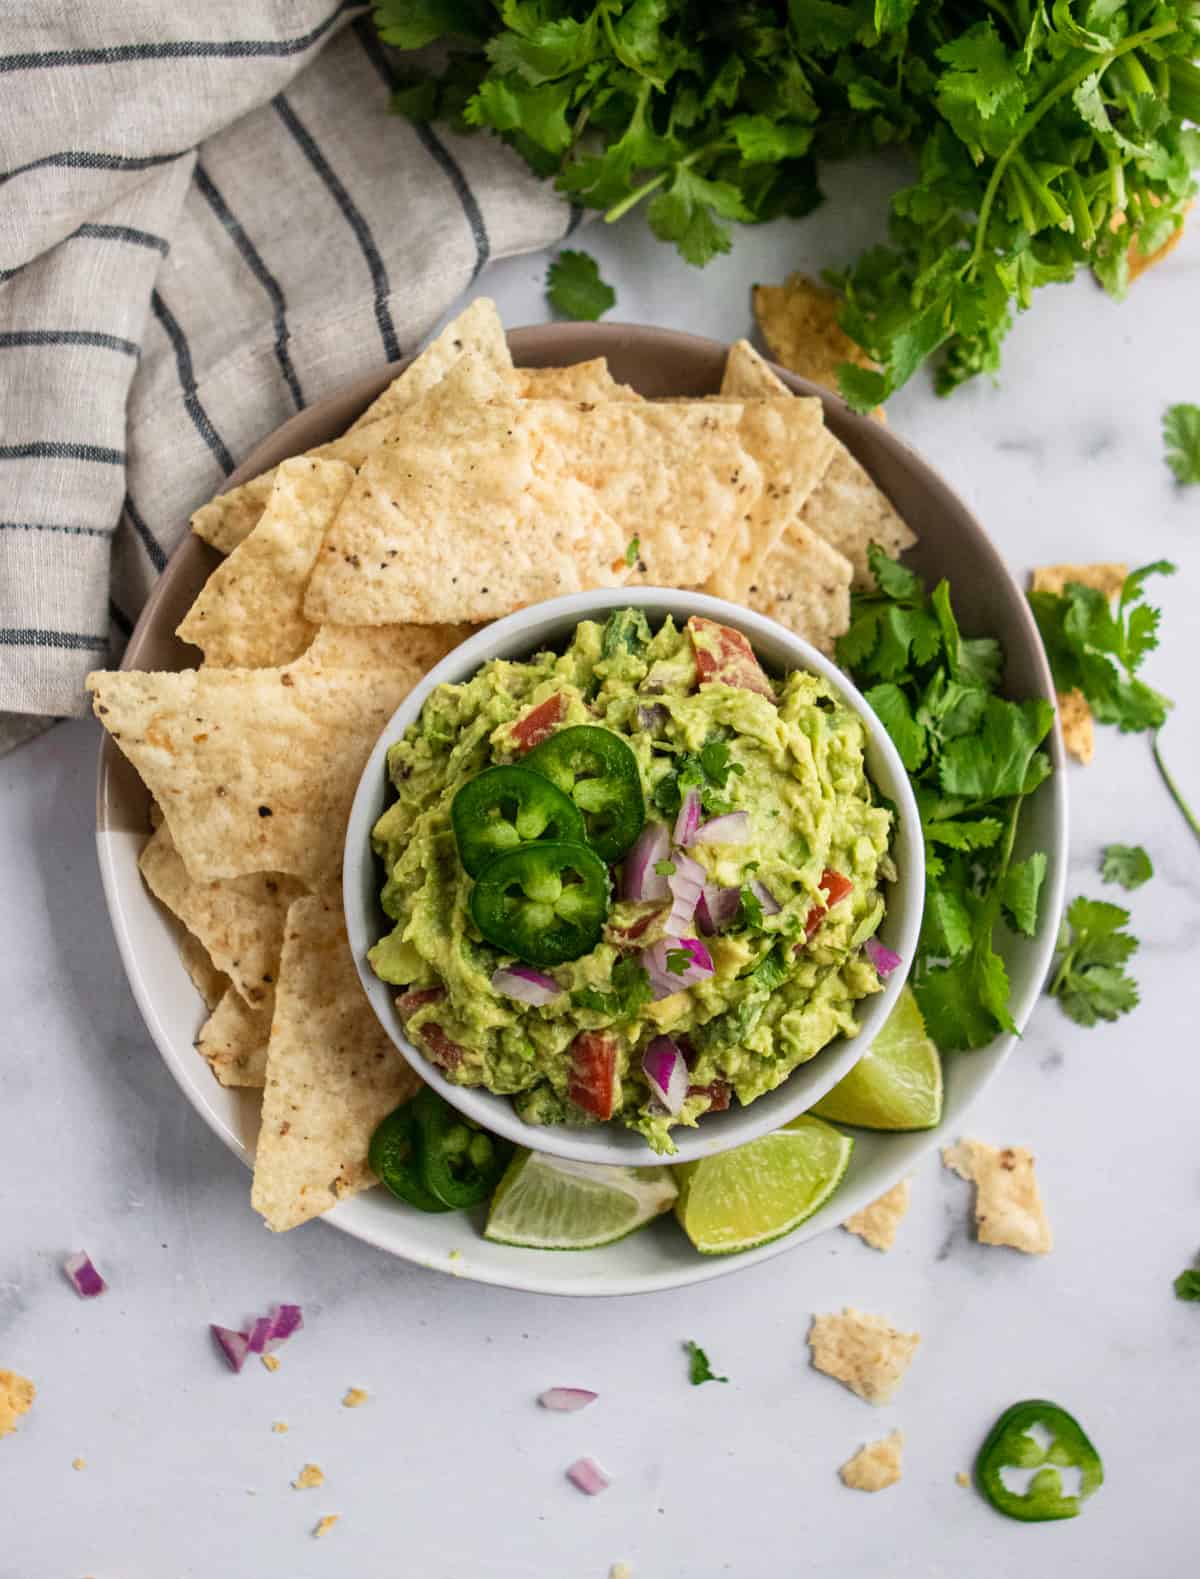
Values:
[(783, 981)]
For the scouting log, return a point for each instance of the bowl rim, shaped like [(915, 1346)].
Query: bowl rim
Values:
[(515, 636)]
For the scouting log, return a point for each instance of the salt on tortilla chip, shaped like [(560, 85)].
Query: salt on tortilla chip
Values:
[(876, 1466), (1106, 576), (211, 983), (792, 447), (238, 920), (254, 769), (866, 1353), (877, 1223), (798, 320), (580, 381), (16, 1399), (234, 1040), (805, 585), (1077, 724), (249, 612), (477, 331), (332, 1075), (1008, 1205)]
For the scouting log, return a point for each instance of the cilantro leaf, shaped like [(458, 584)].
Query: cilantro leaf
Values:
[(750, 910), (1181, 435), (679, 961), (998, 760), (1089, 979), (1019, 892), (1187, 1284), (575, 289), (896, 715), (632, 549), (699, 1370), (629, 995), (1127, 864)]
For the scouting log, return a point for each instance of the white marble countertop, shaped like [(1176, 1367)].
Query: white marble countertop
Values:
[(450, 1469)]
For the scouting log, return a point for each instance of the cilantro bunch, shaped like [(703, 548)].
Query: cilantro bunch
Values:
[(1047, 134), (973, 758)]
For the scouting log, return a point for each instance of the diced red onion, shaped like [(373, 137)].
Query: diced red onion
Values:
[(884, 959), (86, 1280), (663, 980), (732, 828), (652, 718), (525, 985), (233, 1345), (717, 907), (770, 905), (664, 1067), (688, 819), (588, 1476), (686, 883), (260, 1331), (567, 1399), (285, 1319), (639, 880)]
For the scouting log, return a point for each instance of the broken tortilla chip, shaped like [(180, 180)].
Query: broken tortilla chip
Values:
[(798, 320), (233, 1040), (1106, 576), (332, 1075), (878, 1222), (249, 612), (876, 1466), (477, 331), (1008, 1205), (254, 769), (866, 1353), (16, 1399), (1077, 724)]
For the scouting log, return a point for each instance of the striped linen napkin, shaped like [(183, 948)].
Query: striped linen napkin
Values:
[(208, 220)]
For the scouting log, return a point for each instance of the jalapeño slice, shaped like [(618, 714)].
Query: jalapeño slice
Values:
[(545, 903), (600, 773), (460, 1163), (1010, 1445), (503, 808), (394, 1156)]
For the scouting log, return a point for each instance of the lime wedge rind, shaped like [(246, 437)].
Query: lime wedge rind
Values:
[(554, 1203), (896, 1086)]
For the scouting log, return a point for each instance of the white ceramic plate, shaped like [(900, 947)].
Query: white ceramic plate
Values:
[(657, 362)]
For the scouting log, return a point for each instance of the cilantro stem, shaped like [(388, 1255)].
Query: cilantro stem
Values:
[(1096, 67), (632, 199), (1176, 794)]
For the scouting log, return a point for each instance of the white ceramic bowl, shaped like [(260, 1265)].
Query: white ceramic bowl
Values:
[(551, 625)]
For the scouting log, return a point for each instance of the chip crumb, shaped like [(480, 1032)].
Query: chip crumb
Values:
[(271, 1361), (1008, 1206), (1107, 576), (79, 1463), (355, 1398), (309, 1477), (16, 1398), (1078, 725), (279, 1427), (962, 1478), (877, 1223), (323, 1526), (620, 1571), (866, 1353), (876, 1466)]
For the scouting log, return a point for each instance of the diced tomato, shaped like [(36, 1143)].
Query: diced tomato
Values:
[(539, 722), (445, 1053), (592, 1085), (408, 1003), (725, 656), (837, 887), (718, 1094)]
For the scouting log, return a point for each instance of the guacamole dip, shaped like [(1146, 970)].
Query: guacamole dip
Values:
[(632, 880)]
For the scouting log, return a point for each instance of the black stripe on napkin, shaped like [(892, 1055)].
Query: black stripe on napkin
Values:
[(187, 378), (12, 338), (61, 450), (254, 262), (120, 619), (86, 159), (149, 542), (66, 641), (352, 216), (127, 233), (55, 526)]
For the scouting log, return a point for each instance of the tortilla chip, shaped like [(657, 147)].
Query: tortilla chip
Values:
[(211, 983), (1106, 576), (850, 513), (1008, 1207), (16, 1399), (332, 1075), (384, 646), (748, 377), (254, 769), (798, 320), (477, 331), (581, 381), (878, 1222), (864, 1352), (1077, 724), (239, 921), (248, 614), (805, 585), (789, 441), (229, 519), (234, 1040), (876, 1466)]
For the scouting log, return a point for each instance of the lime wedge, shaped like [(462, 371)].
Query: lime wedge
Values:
[(897, 1083), (761, 1190), (551, 1203)]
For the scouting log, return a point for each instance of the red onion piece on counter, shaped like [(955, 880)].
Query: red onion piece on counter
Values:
[(732, 828), (525, 985), (884, 959), (663, 980), (86, 1281), (588, 1476), (666, 1069), (686, 883), (688, 819), (717, 906), (567, 1399), (639, 880), (285, 1319), (233, 1345), (260, 1331)]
